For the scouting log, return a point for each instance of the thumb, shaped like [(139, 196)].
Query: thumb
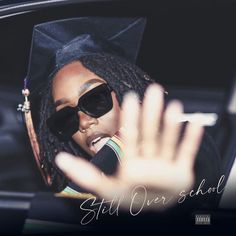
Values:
[(80, 171)]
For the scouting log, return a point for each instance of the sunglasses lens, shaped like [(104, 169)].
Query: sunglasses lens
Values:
[(64, 123), (96, 102)]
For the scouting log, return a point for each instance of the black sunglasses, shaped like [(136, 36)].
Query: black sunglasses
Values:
[(95, 103)]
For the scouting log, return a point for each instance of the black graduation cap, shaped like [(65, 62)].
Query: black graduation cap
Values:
[(56, 43)]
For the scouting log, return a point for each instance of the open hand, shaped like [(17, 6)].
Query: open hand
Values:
[(156, 159)]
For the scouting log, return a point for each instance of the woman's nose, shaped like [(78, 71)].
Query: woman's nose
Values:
[(85, 121)]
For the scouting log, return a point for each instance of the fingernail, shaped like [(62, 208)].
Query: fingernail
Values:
[(154, 87), (131, 95), (176, 105)]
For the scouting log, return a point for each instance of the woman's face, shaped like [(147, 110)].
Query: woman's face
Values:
[(69, 84)]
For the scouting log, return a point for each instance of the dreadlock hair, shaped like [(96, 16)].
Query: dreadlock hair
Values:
[(122, 77)]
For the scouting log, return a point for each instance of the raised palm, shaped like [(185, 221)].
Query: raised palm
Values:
[(157, 163)]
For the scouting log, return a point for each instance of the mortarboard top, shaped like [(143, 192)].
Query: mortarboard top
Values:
[(57, 43)]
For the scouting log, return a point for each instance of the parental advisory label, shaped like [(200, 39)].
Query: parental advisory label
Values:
[(202, 219)]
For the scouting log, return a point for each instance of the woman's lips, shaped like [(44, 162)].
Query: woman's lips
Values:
[(96, 141), (99, 144)]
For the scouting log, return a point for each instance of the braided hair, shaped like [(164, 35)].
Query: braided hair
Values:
[(121, 76)]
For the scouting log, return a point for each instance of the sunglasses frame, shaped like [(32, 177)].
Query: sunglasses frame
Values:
[(52, 120)]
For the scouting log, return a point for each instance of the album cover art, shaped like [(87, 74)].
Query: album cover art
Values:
[(117, 115)]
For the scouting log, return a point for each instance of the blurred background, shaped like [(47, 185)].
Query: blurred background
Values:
[(188, 46)]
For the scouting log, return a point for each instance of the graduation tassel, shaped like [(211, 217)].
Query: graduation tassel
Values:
[(25, 108)]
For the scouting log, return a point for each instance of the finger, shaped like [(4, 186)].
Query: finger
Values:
[(84, 174), (129, 123), (190, 144), (171, 130), (151, 118)]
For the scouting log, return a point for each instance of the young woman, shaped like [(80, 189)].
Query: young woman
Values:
[(81, 105), (75, 81)]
